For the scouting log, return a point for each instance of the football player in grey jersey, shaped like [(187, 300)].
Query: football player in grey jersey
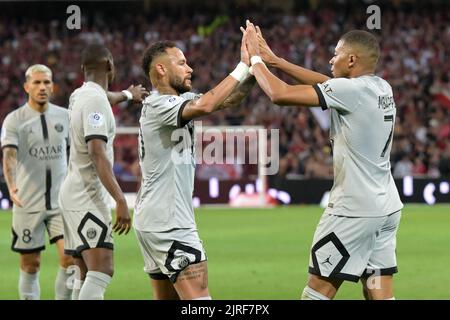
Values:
[(34, 140), (356, 236), (90, 180), (164, 221), (34, 143)]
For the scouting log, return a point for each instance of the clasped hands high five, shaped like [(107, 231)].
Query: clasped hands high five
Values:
[(254, 44)]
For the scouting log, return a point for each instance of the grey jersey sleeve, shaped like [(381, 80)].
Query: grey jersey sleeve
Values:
[(337, 93), (169, 108), (95, 116), (9, 134)]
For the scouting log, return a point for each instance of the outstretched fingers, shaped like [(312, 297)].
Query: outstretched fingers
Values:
[(122, 226), (258, 31)]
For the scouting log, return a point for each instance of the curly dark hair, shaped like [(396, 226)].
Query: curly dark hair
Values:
[(156, 49)]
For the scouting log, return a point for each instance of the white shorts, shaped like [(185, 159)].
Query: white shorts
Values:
[(28, 229), (86, 230), (349, 248), (168, 253)]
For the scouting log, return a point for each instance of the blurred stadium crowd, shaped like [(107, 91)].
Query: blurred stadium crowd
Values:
[(415, 61)]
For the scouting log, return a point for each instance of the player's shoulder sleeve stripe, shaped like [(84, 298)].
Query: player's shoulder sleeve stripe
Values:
[(96, 136), (180, 121), (10, 146), (322, 101)]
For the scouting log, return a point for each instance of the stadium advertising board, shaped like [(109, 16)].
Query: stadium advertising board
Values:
[(412, 190), (313, 191)]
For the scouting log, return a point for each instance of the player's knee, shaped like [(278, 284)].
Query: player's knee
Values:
[(366, 293), (326, 286), (108, 266), (104, 269), (66, 261), (30, 265), (107, 269), (100, 260)]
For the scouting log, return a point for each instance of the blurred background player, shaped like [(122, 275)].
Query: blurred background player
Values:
[(35, 143), (84, 195), (356, 236), (164, 217)]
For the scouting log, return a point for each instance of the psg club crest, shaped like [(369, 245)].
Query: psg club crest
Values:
[(59, 127), (91, 233), (183, 262)]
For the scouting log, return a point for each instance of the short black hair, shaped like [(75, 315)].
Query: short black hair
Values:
[(94, 54), (156, 49), (364, 39)]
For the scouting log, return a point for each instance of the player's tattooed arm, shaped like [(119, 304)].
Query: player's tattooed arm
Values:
[(9, 171), (138, 93), (210, 101), (238, 94), (226, 94)]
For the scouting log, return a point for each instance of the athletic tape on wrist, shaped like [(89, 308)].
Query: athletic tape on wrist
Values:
[(240, 73), (256, 59), (128, 94)]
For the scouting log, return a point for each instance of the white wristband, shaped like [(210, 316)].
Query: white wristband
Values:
[(128, 94), (256, 59), (240, 73)]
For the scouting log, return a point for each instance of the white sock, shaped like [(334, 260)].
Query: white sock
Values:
[(311, 294), (203, 298), (29, 288), (393, 298), (94, 286), (62, 290), (77, 284)]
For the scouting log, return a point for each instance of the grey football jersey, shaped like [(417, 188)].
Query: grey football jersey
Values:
[(91, 117), (362, 127), (167, 162), (41, 140)]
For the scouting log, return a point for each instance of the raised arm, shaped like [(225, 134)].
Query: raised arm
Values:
[(211, 101), (135, 93), (239, 93), (282, 93), (9, 171), (277, 90), (244, 87), (302, 75), (228, 93)]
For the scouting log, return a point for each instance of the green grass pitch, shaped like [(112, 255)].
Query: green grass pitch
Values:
[(263, 254)]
